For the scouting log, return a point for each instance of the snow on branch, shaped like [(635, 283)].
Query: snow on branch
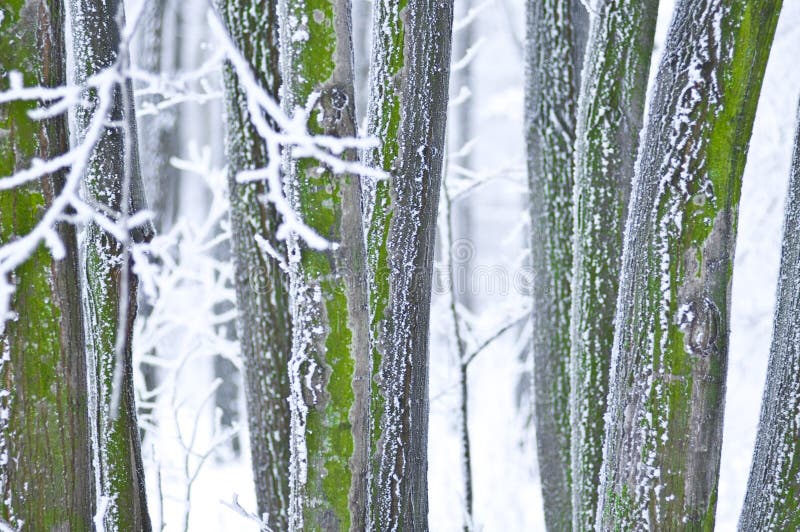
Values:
[(289, 132)]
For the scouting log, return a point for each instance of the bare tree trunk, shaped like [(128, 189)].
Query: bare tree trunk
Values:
[(610, 113), (262, 295), (46, 482), (669, 361), (408, 112), (459, 229), (329, 367), (772, 501), (552, 73), (157, 53), (113, 183)]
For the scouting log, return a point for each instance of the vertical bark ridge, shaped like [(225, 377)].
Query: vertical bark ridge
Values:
[(410, 73)]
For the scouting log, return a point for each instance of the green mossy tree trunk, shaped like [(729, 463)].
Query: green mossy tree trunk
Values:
[(262, 290), (552, 71), (46, 480), (329, 366), (610, 113), (96, 45), (410, 71), (669, 360), (772, 501)]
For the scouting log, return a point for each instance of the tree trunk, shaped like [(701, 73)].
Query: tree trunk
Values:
[(110, 286), (157, 53), (772, 501), (329, 366), (262, 291), (669, 361), (459, 229), (408, 113), (551, 98), (610, 112), (46, 481)]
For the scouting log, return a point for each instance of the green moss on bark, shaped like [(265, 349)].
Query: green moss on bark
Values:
[(45, 479)]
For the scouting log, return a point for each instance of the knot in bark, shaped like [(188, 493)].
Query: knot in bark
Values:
[(335, 106), (699, 320)]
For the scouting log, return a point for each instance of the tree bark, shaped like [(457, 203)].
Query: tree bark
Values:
[(408, 114), (45, 473), (669, 360), (772, 501), (610, 113), (329, 365), (552, 73), (262, 289), (110, 287)]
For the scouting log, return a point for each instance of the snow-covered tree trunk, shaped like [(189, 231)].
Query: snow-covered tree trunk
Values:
[(329, 369), (262, 290), (407, 112), (46, 481), (610, 112), (772, 501), (551, 101), (112, 184), (669, 360)]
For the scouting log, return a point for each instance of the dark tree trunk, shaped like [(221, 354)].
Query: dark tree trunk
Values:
[(408, 113), (552, 72), (113, 180), (262, 295)]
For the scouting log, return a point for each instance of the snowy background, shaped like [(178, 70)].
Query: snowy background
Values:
[(194, 471)]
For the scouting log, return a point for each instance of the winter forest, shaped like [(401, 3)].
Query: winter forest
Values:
[(450, 265)]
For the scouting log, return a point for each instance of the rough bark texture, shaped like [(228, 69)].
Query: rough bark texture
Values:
[(383, 120), (329, 365), (408, 113), (772, 502), (96, 43), (669, 360), (45, 472), (551, 101), (262, 291), (610, 112)]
